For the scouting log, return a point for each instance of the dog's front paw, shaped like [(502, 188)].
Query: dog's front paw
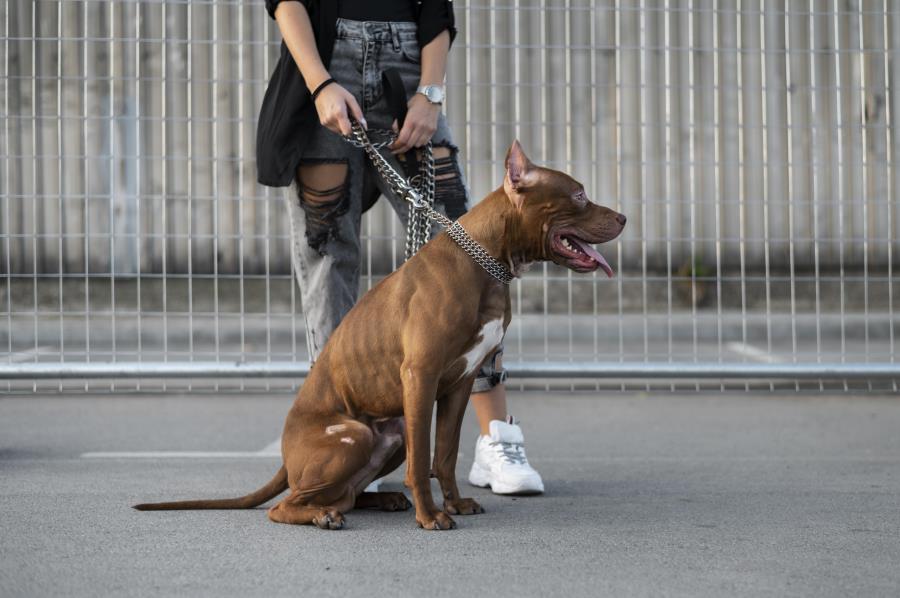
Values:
[(463, 506), (435, 521), (329, 519)]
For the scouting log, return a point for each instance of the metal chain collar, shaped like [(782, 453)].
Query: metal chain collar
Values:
[(419, 192)]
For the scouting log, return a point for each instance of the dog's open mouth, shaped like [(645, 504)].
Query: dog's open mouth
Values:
[(579, 254)]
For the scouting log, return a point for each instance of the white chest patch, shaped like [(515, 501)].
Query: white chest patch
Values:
[(489, 337)]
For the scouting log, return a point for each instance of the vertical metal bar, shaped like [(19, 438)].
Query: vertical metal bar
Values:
[(816, 143), (850, 89), (841, 165), (692, 120), (112, 183), (569, 118), (545, 139), (742, 160), (619, 198), (765, 88), (594, 182), (60, 182), (705, 124), (640, 128), (717, 190), (34, 180), (865, 44), (891, 29), (164, 163), (240, 186), (517, 94), (190, 182), (791, 174), (671, 187), (215, 178), (7, 197), (137, 187), (87, 197)]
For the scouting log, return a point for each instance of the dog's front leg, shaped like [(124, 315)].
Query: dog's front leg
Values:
[(450, 411), (419, 390)]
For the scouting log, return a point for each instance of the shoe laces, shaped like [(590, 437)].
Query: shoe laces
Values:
[(509, 452)]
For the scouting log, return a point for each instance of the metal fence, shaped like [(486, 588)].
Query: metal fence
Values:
[(751, 144)]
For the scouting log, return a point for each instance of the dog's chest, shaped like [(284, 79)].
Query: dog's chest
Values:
[(486, 339)]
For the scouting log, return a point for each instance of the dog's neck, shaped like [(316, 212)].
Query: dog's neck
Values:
[(496, 225)]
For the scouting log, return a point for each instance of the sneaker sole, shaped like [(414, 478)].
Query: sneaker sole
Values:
[(481, 478)]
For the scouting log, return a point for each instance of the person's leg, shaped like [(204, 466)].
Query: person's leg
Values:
[(325, 213), (500, 462), (489, 405), (324, 218)]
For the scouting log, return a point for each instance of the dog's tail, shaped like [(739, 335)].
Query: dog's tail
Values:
[(276, 486)]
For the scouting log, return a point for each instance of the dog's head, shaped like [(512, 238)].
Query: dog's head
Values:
[(559, 221)]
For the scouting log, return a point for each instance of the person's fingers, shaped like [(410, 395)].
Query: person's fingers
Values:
[(422, 138), (406, 146), (343, 122), (402, 143), (330, 124), (394, 126), (356, 111)]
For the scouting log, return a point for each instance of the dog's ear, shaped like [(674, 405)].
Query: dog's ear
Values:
[(518, 169)]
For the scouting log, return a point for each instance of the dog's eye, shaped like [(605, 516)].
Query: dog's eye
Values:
[(580, 197)]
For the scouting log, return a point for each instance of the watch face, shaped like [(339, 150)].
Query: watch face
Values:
[(434, 94)]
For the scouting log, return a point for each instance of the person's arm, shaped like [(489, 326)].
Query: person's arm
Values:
[(334, 102), (422, 116)]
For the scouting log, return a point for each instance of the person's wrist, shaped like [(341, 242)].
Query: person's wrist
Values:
[(322, 86), (434, 93), (313, 83)]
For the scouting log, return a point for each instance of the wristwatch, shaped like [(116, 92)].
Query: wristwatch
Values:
[(434, 93)]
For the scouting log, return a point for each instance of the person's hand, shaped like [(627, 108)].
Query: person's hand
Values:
[(333, 104), (419, 126)]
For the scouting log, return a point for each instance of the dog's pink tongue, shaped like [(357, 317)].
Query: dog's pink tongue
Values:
[(589, 249)]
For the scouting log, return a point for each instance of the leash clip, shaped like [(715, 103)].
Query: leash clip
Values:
[(415, 198)]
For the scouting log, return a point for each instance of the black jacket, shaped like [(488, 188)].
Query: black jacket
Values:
[(288, 116)]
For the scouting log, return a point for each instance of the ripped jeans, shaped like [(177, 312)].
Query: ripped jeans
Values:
[(335, 182)]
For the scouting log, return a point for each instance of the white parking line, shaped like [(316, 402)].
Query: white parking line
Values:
[(175, 455), (273, 448), (270, 451), (752, 352)]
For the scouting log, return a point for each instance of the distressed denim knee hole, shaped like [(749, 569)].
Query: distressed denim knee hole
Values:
[(323, 190), (449, 189)]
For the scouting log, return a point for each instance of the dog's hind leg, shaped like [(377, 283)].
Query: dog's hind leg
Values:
[(348, 459), (387, 444), (330, 517)]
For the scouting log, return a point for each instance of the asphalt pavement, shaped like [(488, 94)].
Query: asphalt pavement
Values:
[(647, 495)]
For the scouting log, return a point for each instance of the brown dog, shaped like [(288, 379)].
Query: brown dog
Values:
[(414, 340)]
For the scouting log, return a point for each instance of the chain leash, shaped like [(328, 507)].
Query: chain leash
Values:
[(421, 199)]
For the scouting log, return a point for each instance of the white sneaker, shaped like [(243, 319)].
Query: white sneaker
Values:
[(500, 462)]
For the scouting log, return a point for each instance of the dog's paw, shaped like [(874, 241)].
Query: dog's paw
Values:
[(383, 501), (394, 501), (330, 519), (435, 521), (463, 506)]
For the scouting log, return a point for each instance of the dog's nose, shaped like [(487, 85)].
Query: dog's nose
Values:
[(621, 219)]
